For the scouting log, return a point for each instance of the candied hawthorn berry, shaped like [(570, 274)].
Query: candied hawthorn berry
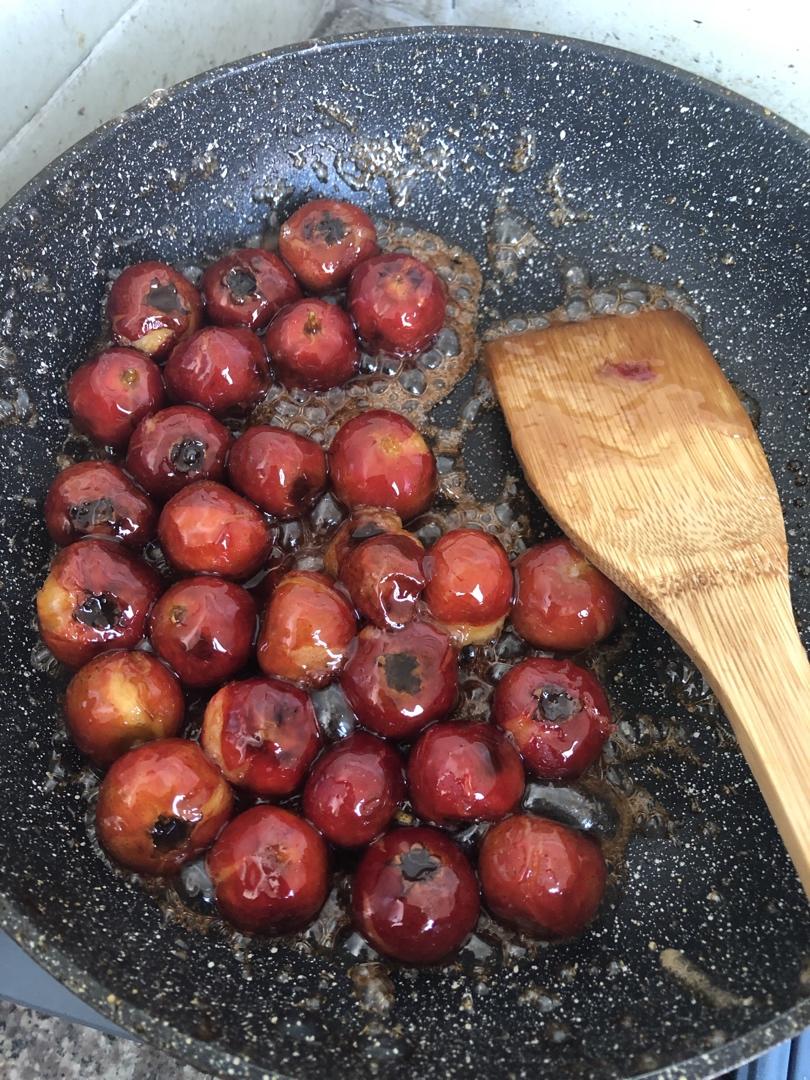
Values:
[(561, 600), (398, 303), (354, 789), (399, 681), (204, 628), (208, 529), (160, 805), (380, 459), (306, 630), (95, 498), (222, 369), (151, 306), (247, 288), (415, 896), (324, 241), (541, 877), (362, 524), (175, 447), (95, 598), (312, 345), (110, 394), (263, 735), (119, 700), (469, 584), (282, 472), (383, 576), (464, 772), (556, 713), (270, 871)]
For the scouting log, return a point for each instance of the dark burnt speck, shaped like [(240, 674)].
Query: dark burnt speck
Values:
[(98, 610), (240, 283), (418, 864), (164, 297), (170, 832), (93, 512), (402, 673), (188, 455), (554, 705), (329, 229)]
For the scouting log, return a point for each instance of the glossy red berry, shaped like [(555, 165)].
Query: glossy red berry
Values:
[(541, 877), (160, 805), (208, 529), (324, 241), (95, 598), (399, 681), (270, 871), (469, 584), (415, 896), (247, 288), (151, 306), (120, 700), (306, 630), (203, 627), (222, 369), (383, 576), (175, 447), (95, 498), (110, 394), (354, 789), (360, 525), (556, 713), (561, 600), (312, 345), (282, 472), (379, 459), (398, 303), (464, 772), (263, 735)]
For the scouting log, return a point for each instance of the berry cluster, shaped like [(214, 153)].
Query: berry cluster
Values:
[(386, 618)]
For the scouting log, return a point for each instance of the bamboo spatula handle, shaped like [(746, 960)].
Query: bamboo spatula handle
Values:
[(632, 436), (744, 639)]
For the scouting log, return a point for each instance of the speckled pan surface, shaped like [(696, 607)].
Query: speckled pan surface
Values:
[(703, 958)]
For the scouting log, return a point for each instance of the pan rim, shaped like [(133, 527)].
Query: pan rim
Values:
[(159, 1033), (760, 113)]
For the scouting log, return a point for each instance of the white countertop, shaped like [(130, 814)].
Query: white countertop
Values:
[(66, 69)]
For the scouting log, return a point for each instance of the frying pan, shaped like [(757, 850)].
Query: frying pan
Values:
[(702, 957)]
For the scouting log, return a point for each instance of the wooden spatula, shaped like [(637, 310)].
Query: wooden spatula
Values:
[(628, 431)]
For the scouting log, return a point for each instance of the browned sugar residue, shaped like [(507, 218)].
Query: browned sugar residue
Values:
[(372, 987), (411, 385), (698, 982)]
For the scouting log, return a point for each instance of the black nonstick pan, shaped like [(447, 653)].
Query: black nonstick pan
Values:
[(542, 157)]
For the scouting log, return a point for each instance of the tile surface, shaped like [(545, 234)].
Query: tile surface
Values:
[(37, 1047)]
